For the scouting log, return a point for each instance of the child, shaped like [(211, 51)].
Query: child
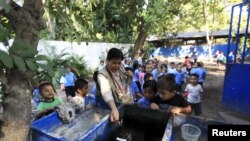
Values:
[(155, 70), (188, 64), (167, 98), (101, 65), (148, 76), (149, 91), (90, 99), (194, 91), (164, 69), (49, 100), (133, 86), (179, 78), (81, 89), (137, 71), (172, 69), (36, 96), (141, 75), (148, 69), (69, 82), (200, 72)]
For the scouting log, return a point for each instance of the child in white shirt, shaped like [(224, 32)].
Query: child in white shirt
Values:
[(194, 91)]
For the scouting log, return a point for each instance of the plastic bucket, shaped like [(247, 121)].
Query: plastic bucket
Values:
[(190, 132)]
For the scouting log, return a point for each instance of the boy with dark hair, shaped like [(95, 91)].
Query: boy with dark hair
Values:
[(167, 98), (194, 91), (149, 91), (81, 89), (135, 92), (171, 68), (49, 98), (148, 76)]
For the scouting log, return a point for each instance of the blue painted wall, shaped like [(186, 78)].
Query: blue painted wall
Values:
[(236, 92), (202, 50)]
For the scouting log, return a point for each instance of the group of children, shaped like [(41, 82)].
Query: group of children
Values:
[(158, 85), (153, 86), (48, 98)]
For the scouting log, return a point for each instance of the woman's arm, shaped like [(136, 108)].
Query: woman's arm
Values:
[(105, 88), (107, 96), (114, 115)]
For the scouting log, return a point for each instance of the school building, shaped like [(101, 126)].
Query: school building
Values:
[(185, 43)]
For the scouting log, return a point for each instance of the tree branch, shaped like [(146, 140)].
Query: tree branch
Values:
[(3, 79), (14, 8), (34, 6)]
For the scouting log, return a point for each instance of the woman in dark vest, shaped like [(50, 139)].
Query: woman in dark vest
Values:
[(114, 83)]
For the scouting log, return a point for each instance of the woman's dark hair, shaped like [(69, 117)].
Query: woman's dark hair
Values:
[(115, 53), (152, 84), (80, 83), (166, 82), (43, 84)]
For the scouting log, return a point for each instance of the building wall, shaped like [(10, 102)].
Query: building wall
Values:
[(92, 51), (187, 50)]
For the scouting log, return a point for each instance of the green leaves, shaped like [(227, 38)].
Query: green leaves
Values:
[(11, 61), (19, 63), (4, 5), (6, 59), (4, 33), (20, 56), (22, 49), (40, 57), (31, 65)]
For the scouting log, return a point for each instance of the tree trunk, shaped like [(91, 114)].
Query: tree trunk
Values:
[(209, 41), (27, 22), (140, 41), (17, 109)]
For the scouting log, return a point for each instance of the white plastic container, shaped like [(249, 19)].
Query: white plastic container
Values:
[(190, 132)]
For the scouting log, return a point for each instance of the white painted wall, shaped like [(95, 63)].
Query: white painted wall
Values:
[(91, 52)]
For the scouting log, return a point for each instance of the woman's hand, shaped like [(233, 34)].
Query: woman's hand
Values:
[(114, 115)]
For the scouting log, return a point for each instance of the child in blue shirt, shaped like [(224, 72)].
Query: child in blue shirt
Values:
[(135, 92), (149, 91), (201, 72), (69, 83), (171, 69), (148, 70), (90, 99), (179, 78), (36, 96), (136, 73)]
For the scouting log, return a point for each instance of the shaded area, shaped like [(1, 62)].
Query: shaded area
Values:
[(140, 124), (213, 87)]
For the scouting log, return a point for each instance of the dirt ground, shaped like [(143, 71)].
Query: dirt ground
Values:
[(213, 87)]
